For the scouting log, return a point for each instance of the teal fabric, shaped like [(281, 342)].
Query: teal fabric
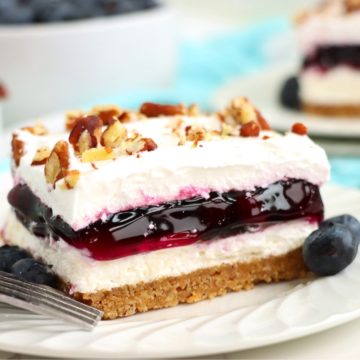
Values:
[(206, 65)]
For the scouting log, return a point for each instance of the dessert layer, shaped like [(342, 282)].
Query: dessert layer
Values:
[(326, 58), (175, 223), (338, 87), (330, 27), (345, 111), (195, 286), (171, 172), (86, 275)]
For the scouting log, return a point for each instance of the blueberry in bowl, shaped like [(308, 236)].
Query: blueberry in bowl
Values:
[(332, 247), (46, 11)]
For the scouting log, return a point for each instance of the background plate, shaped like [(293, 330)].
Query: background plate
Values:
[(266, 315), (263, 89)]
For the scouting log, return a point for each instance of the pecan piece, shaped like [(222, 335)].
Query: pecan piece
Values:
[(57, 163), (195, 134), (134, 146), (154, 110), (17, 147), (72, 117), (299, 128), (71, 178), (250, 129), (107, 113), (352, 5), (41, 156), (86, 133), (97, 154), (37, 129), (114, 134)]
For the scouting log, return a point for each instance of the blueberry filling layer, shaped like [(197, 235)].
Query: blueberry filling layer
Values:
[(327, 57), (174, 223)]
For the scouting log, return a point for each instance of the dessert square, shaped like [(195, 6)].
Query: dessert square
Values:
[(330, 42), (141, 210)]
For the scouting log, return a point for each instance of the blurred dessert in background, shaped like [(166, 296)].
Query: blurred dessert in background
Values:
[(329, 37)]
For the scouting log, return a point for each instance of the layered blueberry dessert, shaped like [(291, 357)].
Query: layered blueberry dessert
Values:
[(140, 210), (329, 81)]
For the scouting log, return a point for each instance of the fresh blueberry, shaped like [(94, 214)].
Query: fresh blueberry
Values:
[(289, 94), (349, 221), (329, 249), (9, 255), (35, 272)]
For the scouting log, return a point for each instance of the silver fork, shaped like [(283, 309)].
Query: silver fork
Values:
[(44, 300)]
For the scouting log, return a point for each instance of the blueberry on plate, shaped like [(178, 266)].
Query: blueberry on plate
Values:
[(289, 93), (35, 272), (9, 255), (349, 221), (329, 249)]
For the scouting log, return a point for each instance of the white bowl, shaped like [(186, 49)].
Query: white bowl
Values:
[(47, 67)]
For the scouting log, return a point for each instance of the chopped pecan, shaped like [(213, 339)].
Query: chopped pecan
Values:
[(352, 5), (38, 129), (195, 134), (17, 147), (86, 133), (250, 129), (71, 178), (57, 163), (114, 134), (97, 154), (41, 156), (299, 128), (134, 146), (242, 111), (107, 113), (72, 117), (193, 110), (153, 110)]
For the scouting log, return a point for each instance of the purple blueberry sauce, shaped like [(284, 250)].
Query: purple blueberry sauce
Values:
[(325, 58), (174, 223)]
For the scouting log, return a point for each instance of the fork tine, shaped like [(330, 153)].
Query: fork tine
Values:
[(44, 300), (62, 302), (46, 291), (38, 300)]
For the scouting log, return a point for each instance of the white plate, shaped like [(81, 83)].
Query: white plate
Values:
[(266, 315), (263, 89)]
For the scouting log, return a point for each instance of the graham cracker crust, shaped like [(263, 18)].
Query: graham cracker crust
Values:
[(195, 286), (350, 111)]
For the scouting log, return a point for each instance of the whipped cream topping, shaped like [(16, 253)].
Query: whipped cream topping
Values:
[(338, 86), (331, 25), (171, 171), (88, 275)]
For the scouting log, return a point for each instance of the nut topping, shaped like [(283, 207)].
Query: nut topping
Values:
[(71, 178), (97, 154), (86, 133), (242, 111), (250, 129), (114, 134), (107, 113), (38, 129), (17, 147), (41, 156), (352, 5), (195, 134), (72, 117), (299, 128), (154, 110), (58, 162), (138, 144)]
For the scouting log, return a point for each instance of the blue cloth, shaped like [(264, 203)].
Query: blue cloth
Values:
[(206, 65)]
